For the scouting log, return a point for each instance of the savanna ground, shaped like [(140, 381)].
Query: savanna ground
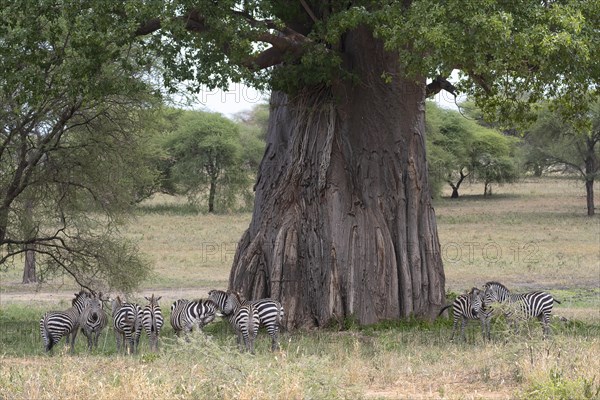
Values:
[(530, 235)]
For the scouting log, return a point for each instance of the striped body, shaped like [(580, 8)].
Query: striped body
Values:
[(152, 321), (56, 324), (127, 322), (186, 314), (469, 306), (270, 312), (535, 304), (93, 320), (246, 322)]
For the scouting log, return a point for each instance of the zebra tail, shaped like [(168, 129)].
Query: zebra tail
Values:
[(280, 316), (444, 309), (556, 300)]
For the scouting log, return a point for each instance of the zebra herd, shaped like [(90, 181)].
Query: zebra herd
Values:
[(481, 305), (129, 319), (245, 317)]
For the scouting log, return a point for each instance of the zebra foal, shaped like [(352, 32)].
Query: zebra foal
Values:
[(536, 304), (152, 321), (185, 314), (56, 324), (468, 306), (93, 320), (127, 322)]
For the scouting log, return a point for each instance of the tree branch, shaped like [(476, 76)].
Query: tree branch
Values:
[(437, 85), (286, 43)]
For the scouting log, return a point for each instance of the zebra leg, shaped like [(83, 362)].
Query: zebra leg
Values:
[(545, 319), (462, 328), (73, 337), (95, 337), (454, 325), (274, 342), (482, 320)]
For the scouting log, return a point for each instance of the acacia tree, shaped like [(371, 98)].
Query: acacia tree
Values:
[(553, 140), (206, 157), (72, 119), (343, 222), (460, 148)]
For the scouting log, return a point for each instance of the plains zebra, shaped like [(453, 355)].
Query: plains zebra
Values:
[(127, 321), (92, 320), (270, 312), (535, 304), (152, 321), (56, 324), (247, 321), (468, 306), (186, 314)]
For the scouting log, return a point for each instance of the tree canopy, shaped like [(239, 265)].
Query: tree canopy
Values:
[(556, 141), (460, 148), (509, 54), (207, 159), (74, 117)]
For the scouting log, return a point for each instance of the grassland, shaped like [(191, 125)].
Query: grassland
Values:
[(531, 235)]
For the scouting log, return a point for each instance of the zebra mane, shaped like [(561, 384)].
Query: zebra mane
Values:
[(78, 296), (494, 283), (237, 295), (153, 300)]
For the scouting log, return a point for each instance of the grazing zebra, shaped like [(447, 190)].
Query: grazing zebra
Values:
[(56, 324), (270, 312), (247, 321), (92, 320), (127, 321), (186, 314), (152, 321), (468, 306), (535, 304)]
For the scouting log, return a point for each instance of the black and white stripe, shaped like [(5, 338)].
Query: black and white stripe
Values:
[(56, 324), (186, 314), (247, 321), (270, 312), (536, 304), (468, 306), (93, 320), (152, 321), (127, 322)]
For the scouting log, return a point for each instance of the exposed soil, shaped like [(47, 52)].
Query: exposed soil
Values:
[(55, 296)]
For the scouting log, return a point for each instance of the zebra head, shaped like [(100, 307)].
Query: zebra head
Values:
[(219, 297), (477, 300), (81, 300), (94, 304), (495, 292)]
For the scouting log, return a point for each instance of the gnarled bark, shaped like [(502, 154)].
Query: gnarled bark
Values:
[(343, 223)]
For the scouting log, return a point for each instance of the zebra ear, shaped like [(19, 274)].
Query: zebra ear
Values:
[(158, 298), (147, 298)]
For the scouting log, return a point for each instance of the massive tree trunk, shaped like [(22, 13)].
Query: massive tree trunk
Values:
[(343, 223)]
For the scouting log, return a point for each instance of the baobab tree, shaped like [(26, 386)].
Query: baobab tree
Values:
[(343, 222)]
